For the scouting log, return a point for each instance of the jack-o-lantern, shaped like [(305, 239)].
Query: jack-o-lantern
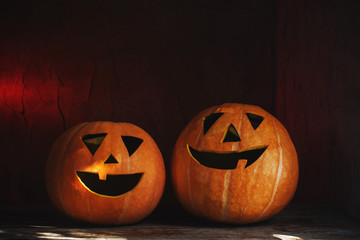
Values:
[(105, 173), (234, 163)]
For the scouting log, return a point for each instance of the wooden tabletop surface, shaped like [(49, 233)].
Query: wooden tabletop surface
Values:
[(295, 222)]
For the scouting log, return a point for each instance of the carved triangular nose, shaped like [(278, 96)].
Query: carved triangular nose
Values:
[(231, 135), (111, 159)]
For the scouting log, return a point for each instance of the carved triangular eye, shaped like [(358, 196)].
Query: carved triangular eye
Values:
[(93, 141), (231, 135), (131, 143), (210, 120), (110, 159), (255, 120)]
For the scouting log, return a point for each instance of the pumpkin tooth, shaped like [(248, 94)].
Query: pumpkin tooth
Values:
[(114, 186), (226, 160), (102, 175)]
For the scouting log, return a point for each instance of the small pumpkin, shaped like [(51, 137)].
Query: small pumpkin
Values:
[(105, 173), (234, 163)]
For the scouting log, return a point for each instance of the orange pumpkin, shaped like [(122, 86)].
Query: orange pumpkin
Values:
[(234, 163), (105, 173)]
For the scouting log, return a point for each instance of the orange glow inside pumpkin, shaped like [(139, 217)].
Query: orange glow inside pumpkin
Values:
[(109, 185)]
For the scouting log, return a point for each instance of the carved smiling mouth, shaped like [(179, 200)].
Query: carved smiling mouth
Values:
[(113, 186), (226, 160)]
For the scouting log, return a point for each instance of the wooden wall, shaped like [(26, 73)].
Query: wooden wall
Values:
[(318, 97)]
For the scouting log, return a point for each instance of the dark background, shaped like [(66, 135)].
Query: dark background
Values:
[(158, 63)]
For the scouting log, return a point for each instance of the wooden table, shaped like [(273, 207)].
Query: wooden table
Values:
[(295, 222)]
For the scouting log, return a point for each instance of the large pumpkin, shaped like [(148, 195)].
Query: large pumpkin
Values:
[(105, 173), (234, 163)]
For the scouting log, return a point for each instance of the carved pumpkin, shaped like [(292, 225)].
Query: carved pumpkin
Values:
[(105, 173), (234, 163)]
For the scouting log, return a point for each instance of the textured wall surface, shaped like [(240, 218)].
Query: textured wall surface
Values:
[(318, 97), (153, 63), (157, 63)]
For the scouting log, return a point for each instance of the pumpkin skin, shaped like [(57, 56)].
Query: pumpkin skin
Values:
[(76, 173), (242, 191)]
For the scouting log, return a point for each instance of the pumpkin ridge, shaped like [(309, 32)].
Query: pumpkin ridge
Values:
[(227, 180), (279, 172), (61, 169), (189, 175), (189, 185), (126, 200), (225, 204), (88, 207)]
